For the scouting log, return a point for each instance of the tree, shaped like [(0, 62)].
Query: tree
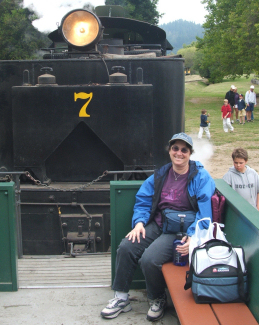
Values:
[(230, 41), (144, 10), (89, 6), (197, 64), (181, 31), (19, 39), (245, 27), (193, 58), (189, 53), (122, 3)]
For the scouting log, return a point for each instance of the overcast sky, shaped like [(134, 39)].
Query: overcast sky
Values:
[(52, 11)]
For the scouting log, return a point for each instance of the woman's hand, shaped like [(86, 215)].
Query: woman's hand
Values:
[(135, 233), (184, 249)]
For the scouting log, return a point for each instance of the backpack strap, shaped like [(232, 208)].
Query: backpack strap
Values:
[(189, 274), (241, 283)]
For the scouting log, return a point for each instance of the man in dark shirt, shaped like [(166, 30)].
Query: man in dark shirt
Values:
[(230, 96)]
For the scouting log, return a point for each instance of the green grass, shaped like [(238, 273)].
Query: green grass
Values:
[(199, 95)]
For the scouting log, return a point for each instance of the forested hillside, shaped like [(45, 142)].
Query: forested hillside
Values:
[(181, 32)]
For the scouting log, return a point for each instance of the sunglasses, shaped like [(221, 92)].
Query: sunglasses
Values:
[(183, 150)]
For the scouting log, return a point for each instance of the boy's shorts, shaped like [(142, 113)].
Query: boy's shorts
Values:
[(242, 113)]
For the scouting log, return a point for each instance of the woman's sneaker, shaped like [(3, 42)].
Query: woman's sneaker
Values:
[(115, 307), (157, 307)]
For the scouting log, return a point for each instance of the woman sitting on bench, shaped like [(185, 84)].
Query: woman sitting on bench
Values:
[(180, 185)]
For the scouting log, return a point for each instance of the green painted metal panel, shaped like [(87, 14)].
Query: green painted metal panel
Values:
[(8, 239), (122, 202), (242, 228)]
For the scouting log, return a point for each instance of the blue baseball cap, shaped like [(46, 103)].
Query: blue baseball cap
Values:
[(182, 136)]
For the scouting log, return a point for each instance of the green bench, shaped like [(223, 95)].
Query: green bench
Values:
[(8, 239), (122, 197), (241, 227)]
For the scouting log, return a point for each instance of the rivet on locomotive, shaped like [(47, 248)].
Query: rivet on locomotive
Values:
[(105, 97)]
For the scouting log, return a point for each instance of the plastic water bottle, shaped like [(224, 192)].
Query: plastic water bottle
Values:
[(178, 259)]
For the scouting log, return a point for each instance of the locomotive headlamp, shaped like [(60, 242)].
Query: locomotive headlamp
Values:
[(81, 28)]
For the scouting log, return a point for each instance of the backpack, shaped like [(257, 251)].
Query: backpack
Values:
[(218, 205), (218, 273)]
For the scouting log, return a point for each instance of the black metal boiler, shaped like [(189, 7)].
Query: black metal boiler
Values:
[(105, 98)]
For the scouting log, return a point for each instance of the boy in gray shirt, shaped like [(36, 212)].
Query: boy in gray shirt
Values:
[(242, 178)]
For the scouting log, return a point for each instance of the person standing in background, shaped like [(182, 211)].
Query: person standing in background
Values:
[(236, 104), (250, 99), (204, 126), (225, 115), (242, 178), (241, 109), (230, 96)]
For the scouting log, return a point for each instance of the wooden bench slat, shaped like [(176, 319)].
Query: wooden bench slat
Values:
[(236, 313), (188, 312)]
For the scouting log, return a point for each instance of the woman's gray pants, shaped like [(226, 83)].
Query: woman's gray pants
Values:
[(151, 253)]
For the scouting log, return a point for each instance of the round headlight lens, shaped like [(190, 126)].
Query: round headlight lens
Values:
[(81, 28)]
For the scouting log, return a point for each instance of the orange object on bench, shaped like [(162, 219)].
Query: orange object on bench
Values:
[(190, 313), (236, 313), (187, 310)]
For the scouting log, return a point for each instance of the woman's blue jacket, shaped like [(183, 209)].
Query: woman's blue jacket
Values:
[(201, 187)]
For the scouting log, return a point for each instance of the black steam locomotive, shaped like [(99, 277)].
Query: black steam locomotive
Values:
[(105, 97)]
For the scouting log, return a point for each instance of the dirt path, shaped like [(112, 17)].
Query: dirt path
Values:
[(217, 159), (194, 77)]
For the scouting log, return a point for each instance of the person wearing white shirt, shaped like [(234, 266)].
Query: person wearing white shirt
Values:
[(250, 99)]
